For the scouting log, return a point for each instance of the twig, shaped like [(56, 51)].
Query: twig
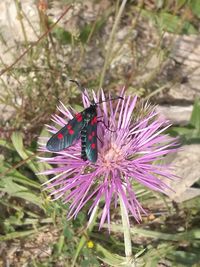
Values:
[(110, 42), (41, 37), (20, 163)]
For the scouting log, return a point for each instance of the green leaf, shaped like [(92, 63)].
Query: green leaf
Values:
[(67, 232), (190, 134), (110, 258), (17, 176), (154, 255), (172, 23), (195, 6), (5, 144), (85, 33), (9, 186), (190, 235), (60, 244), (195, 117), (181, 3), (18, 234), (166, 21), (90, 29), (183, 130), (186, 258), (18, 145), (63, 36), (35, 166)]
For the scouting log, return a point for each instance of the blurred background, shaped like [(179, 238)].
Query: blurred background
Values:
[(154, 51)]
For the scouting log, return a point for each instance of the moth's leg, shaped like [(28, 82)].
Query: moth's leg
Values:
[(107, 126), (99, 140)]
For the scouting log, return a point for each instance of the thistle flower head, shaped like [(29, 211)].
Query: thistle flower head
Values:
[(131, 144)]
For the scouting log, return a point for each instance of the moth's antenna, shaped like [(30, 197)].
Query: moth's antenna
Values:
[(110, 99), (77, 83), (80, 87)]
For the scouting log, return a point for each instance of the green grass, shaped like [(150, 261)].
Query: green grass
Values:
[(37, 81)]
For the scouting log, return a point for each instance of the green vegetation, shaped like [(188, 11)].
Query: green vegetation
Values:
[(30, 91)]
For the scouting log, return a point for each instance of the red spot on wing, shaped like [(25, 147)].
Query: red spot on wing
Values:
[(69, 126), (60, 136), (71, 131), (90, 137), (93, 133), (93, 146), (79, 117), (94, 120)]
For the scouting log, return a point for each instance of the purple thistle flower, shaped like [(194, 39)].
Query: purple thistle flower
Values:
[(130, 152)]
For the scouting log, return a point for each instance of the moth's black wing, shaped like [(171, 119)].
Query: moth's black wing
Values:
[(91, 141), (66, 136)]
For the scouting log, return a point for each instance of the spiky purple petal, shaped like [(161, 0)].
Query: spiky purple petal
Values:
[(131, 152)]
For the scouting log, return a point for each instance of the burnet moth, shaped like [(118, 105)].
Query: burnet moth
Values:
[(84, 126)]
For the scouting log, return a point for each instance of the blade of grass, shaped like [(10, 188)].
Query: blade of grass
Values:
[(190, 235), (21, 234), (110, 42)]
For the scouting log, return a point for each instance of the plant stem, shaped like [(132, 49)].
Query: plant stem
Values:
[(20, 18), (127, 234), (110, 42)]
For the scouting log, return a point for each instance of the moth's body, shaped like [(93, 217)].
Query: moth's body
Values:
[(89, 113), (83, 143)]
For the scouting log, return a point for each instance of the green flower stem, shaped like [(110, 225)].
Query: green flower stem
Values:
[(110, 42), (83, 239), (127, 233)]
